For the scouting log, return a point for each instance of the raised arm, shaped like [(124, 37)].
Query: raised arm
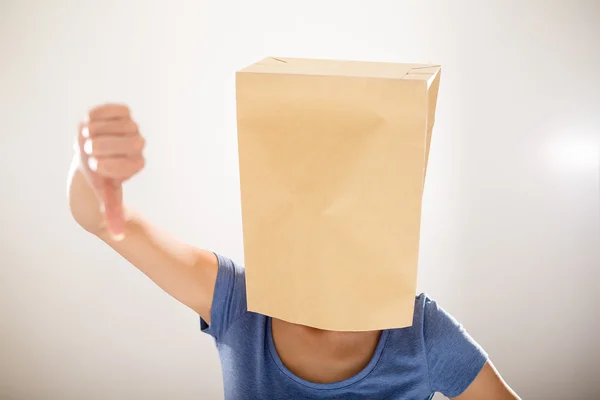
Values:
[(109, 151)]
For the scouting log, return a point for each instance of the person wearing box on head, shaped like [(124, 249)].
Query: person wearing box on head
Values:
[(333, 159)]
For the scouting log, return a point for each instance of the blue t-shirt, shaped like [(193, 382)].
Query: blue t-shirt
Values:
[(435, 354)]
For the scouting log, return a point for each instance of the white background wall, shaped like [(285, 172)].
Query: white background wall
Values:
[(511, 225)]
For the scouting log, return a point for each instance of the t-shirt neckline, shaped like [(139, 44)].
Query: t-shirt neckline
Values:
[(333, 385)]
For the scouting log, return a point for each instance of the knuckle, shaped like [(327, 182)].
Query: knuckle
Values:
[(94, 111), (107, 111), (137, 166), (132, 168), (131, 126), (124, 108), (142, 143), (138, 144)]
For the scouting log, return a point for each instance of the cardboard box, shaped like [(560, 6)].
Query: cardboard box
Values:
[(333, 157)]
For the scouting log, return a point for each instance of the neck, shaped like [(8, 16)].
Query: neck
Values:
[(323, 356), (336, 339)]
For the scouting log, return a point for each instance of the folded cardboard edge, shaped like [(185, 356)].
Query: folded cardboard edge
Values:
[(427, 74), (433, 85), (282, 63)]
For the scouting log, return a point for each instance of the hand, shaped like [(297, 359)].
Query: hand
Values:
[(110, 148)]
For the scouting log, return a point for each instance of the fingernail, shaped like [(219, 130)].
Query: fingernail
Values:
[(87, 147), (93, 163), (117, 237), (85, 132)]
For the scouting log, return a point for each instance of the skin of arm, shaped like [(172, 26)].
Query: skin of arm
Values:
[(107, 153), (488, 385)]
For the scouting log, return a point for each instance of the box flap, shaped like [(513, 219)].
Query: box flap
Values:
[(302, 66)]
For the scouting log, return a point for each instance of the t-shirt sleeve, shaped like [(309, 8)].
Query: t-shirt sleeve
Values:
[(229, 299), (454, 359)]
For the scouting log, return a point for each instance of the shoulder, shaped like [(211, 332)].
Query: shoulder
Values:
[(440, 330), (453, 357), (425, 308), (429, 311), (422, 300), (427, 316)]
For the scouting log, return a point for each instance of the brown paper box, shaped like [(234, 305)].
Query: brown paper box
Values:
[(333, 157)]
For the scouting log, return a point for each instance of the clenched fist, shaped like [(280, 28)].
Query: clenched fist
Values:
[(110, 152)]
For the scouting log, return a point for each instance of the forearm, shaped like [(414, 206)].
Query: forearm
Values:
[(185, 272)]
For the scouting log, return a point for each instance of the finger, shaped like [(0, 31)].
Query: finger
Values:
[(81, 139), (95, 180), (113, 146), (112, 197), (85, 158), (119, 168), (113, 127), (109, 111), (80, 136)]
